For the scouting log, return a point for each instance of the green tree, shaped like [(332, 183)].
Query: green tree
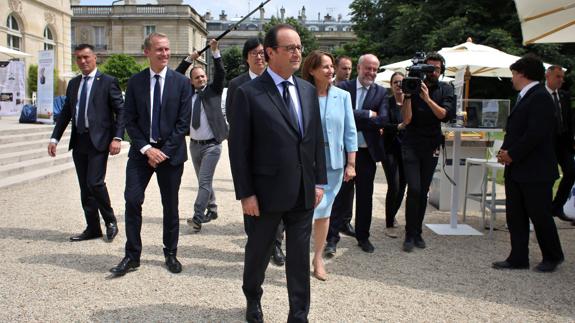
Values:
[(234, 62), (122, 67), (308, 40), (395, 29)]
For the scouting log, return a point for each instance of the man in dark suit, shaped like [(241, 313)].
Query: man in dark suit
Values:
[(253, 54), (564, 141), (94, 101), (208, 130), (370, 112), (278, 165), (530, 169), (158, 107)]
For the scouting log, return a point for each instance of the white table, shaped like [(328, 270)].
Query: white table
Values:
[(453, 228)]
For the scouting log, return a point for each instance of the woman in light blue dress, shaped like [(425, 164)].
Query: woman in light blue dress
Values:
[(340, 136)]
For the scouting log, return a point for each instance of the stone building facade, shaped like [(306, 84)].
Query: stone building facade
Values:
[(34, 25)]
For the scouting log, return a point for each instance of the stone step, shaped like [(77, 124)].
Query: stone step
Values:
[(26, 129), (33, 170), (35, 144), (25, 137)]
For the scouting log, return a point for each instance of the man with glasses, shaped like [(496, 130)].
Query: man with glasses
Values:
[(253, 54), (278, 165)]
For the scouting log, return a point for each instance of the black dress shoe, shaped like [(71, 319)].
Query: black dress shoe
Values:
[(125, 266), (330, 249), (278, 257), (408, 244), (111, 231), (366, 246), (507, 265), (211, 215), (547, 266), (419, 242), (254, 312), (348, 230), (86, 235), (174, 266)]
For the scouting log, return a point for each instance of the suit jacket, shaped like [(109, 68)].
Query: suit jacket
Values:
[(211, 98), (105, 111), (375, 100), (566, 139), (339, 126), (268, 156), (174, 118), (232, 87), (529, 138)]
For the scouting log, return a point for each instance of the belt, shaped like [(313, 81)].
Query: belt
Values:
[(204, 142)]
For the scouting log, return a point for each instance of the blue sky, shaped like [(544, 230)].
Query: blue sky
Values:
[(241, 7)]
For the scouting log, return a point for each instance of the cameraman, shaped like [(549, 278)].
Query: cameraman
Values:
[(422, 115)]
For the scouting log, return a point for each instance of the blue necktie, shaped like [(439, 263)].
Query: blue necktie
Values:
[(360, 138), (156, 108), (81, 123)]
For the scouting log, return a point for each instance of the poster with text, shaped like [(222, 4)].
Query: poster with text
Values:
[(12, 87), (45, 98)]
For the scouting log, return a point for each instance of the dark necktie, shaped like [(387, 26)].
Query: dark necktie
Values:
[(197, 111), (289, 104), (156, 108), (81, 123), (558, 113)]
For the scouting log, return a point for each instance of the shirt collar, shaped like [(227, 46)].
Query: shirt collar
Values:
[(358, 85), (92, 74), (278, 79), (162, 73), (527, 88), (252, 74)]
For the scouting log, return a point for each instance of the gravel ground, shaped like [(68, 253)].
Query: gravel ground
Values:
[(44, 277)]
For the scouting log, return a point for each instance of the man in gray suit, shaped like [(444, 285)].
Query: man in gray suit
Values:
[(208, 130)]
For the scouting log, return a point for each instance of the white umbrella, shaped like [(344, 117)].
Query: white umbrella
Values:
[(13, 53), (482, 60), (548, 21)]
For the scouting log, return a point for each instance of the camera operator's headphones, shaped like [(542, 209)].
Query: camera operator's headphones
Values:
[(436, 57)]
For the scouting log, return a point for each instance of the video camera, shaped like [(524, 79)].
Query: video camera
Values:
[(416, 74)]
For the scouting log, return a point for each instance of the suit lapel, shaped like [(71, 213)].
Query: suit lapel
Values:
[(147, 98), (167, 86), (305, 107), (75, 93), (93, 89), (274, 95), (369, 96)]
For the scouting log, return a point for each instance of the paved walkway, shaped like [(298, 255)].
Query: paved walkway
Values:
[(46, 278)]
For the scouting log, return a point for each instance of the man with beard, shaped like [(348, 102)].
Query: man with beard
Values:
[(423, 114), (369, 102)]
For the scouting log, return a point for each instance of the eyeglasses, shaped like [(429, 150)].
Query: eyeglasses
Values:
[(257, 53), (291, 48)]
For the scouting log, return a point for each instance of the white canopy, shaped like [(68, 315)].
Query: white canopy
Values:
[(13, 53), (549, 21), (482, 60)]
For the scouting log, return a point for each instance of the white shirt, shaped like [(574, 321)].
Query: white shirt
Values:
[(162, 80), (551, 93), (252, 74), (204, 131), (527, 88), (292, 92)]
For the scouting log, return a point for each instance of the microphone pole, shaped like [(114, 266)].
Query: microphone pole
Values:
[(234, 26)]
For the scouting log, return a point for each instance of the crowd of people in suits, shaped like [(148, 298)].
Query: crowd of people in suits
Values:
[(321, 136)]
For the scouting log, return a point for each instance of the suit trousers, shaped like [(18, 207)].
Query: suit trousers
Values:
[(205, 159), (138, 175), (365, 175), (396, 183), (248, 220), (91, 166), (261, 235), (565, 156), (525, 201), (419, 165)]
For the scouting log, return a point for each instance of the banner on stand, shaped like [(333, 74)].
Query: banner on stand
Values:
[(45, 99), (12, 87)]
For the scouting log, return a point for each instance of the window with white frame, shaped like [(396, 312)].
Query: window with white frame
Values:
[(149, 29), (48, 39), (14, 34)]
